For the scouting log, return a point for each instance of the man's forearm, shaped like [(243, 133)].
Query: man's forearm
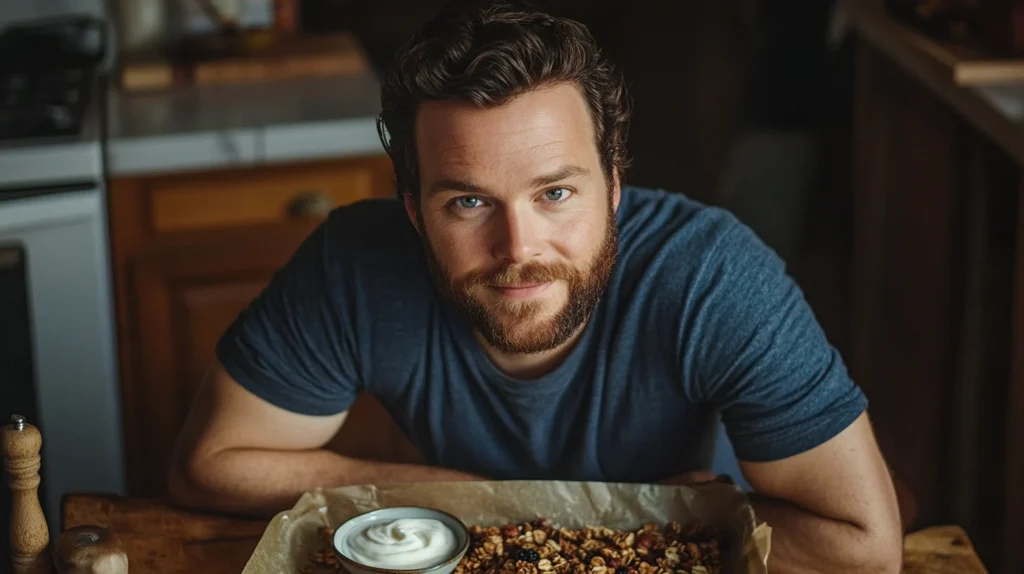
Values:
[(806, 542), (262, 482)]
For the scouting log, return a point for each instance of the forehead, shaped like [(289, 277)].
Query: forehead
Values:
[(541, 129)]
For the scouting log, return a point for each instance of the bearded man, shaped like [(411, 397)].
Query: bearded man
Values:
[(523, 314)]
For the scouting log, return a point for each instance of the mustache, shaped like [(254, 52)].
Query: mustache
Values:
[(518, 274)]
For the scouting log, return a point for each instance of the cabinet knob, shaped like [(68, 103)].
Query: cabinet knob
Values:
[(311, 204)]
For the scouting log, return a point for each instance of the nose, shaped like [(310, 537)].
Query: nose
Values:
[(517, 236)]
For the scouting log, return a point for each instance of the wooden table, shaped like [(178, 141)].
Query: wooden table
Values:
[(160, 539)]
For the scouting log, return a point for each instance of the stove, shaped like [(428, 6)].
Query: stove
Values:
[(57, 326), (51, 81), (47, 72)]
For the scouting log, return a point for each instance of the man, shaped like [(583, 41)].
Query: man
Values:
[(522, 314)]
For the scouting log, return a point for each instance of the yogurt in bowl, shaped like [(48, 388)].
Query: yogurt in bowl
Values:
[(401, 539)]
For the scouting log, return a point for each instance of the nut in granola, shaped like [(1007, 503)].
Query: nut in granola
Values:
[(672, 555)]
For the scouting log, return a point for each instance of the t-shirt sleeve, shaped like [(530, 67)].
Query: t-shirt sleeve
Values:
[(294, 344), (762, 358)]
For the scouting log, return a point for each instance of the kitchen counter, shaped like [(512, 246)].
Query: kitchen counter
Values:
[(995, 110), (238, 126)]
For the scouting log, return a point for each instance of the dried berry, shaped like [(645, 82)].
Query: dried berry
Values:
[(528, 555), (622, 570), (510, 531)]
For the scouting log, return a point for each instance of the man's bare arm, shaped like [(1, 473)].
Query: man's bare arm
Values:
[(239, 454), (831, 509)]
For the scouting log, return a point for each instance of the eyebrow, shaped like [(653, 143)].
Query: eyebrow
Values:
[(563, 173), (454, 184), (451, 184)]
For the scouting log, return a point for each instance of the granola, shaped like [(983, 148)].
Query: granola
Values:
[(539, 547)]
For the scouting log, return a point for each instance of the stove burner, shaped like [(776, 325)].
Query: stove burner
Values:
[(46, 76), (44, 104)]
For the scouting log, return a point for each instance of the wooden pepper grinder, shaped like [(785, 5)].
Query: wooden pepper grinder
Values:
[(79, 550), (30, 536)]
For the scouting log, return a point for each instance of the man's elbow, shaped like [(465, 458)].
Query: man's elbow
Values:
[(880, 550), (184, 483), (883, 558)]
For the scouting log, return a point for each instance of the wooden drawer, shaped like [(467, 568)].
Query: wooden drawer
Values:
[(190, 250), (261, 196)]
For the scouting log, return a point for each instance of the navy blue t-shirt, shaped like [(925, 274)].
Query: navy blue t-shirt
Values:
[(699, 317)]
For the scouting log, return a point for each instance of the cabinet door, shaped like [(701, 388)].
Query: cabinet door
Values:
[(185, 299)]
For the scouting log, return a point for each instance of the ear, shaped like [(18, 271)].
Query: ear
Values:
[(410, 211), (616, 190)]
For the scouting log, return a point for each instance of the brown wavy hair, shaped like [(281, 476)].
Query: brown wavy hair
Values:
[(488, 53)]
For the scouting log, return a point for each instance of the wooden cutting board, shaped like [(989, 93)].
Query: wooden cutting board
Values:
[(292, 58)]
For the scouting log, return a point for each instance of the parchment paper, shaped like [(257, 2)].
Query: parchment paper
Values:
[(292, 535)]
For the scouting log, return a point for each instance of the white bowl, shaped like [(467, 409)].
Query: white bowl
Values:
[(358, 523)]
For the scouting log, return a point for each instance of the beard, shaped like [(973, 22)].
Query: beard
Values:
[(512, 326)]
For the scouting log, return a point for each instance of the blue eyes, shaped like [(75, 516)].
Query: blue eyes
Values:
[(557, 194), (469, 202)]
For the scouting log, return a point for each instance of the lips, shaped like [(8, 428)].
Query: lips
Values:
[(521, 290)]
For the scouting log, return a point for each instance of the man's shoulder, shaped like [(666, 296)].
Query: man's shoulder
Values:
[(677, 250), (653, 218)]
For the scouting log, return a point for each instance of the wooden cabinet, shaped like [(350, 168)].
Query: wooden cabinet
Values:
[(937, 305), (258, 197), (190, 251)]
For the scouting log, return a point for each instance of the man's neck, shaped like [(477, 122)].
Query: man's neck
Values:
[(533, 366)]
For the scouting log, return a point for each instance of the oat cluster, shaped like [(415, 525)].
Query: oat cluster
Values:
[(540, 548)]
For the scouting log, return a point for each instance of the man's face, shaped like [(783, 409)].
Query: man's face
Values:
[(517, 216)]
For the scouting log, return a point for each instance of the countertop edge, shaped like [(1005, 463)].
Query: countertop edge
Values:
[(244, 147), (896, 41)]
